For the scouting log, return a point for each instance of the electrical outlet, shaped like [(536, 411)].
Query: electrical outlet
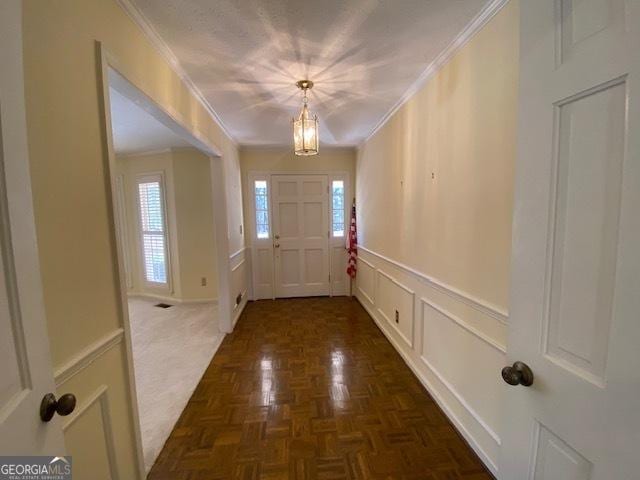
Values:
[(397, 316), (203, 281)]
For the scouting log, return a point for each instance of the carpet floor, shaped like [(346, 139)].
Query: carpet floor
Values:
[(172, 348)]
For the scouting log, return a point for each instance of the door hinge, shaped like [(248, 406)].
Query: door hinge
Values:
[(327, 188), (329, 277)]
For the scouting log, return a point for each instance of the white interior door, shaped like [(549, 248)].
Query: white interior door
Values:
[(575, 303), (301, 235), (24, 346)]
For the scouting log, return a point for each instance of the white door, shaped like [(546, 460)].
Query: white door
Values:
[(301, 235), (575, 302), (26, 374)]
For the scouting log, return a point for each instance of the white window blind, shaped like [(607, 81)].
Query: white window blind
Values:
[(153, 230)]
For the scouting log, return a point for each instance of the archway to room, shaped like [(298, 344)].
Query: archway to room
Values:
[(171, 264)]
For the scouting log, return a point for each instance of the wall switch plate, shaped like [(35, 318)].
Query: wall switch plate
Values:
[(203, 281), (397, 316)]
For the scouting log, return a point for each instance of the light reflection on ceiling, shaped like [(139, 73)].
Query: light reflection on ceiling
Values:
[(246, 55)]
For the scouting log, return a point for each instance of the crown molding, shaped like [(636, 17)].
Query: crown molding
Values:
[(161, 46), (467, 33)]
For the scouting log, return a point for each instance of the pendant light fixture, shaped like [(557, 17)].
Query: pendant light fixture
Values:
[(305, 129)]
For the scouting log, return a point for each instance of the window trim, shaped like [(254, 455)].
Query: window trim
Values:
[(149, 177)]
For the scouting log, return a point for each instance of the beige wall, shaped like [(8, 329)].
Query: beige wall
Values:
[(195, 225), (68, 162), (190, 222), (434, 203), (461, 128)]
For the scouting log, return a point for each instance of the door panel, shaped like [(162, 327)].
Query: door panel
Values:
[(591, 138), (300, 213), (287, 221), (576, 266), (27, 373)]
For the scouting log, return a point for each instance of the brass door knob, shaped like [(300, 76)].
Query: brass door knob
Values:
[(63, 406), (518, 374)]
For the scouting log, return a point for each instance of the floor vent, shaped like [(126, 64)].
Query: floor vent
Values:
[(163, 305)]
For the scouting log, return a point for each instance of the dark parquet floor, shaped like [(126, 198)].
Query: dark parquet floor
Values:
[(311, 389)]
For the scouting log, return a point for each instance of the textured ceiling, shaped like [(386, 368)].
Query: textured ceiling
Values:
[(135, 130), (246, 55)]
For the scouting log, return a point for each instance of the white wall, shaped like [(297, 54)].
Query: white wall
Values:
[(434, 203)]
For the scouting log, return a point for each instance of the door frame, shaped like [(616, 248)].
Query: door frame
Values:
[(107, 62), (331, 175)]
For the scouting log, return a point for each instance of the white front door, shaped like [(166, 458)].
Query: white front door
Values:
[(301, 235), (575, 302), (26, 374)]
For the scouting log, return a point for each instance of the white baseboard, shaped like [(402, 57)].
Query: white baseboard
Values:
[(238, 309), (170, 299)]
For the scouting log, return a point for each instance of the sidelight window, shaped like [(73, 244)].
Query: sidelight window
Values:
[(337, 208), (262, 208)]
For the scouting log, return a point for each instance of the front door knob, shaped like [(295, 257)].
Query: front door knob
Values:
[(49, 406), (518, 374)]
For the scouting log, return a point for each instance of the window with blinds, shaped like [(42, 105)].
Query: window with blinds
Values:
[(152, 226)]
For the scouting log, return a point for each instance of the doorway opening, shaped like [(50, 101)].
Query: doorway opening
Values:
[(163, 194), (298, 231)]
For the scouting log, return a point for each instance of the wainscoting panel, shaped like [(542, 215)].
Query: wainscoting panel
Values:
[(339, 278), (366, 283), (97, 433), (90, 417), (471, 373), (454, 343), (395, 303), (263, 273)]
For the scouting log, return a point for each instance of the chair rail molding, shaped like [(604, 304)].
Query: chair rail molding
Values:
[(462, 323), (474, 302), (87, 356)]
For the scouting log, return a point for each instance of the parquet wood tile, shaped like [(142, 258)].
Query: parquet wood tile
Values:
[(311, 389)]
